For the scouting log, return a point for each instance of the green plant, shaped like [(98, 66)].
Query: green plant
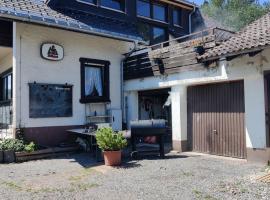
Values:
[(20, 133), (12, 145), (30, 147), (108, 140)]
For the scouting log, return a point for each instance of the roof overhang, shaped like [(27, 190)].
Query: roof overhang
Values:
[(181, 4), (73, 29), (235, 54)]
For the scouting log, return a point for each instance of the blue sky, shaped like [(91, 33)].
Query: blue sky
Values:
[(199, 2)]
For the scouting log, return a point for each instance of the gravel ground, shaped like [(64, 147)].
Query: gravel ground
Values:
[(180, 176)]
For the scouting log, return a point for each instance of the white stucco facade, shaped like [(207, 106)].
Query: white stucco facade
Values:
[(249, 69), (29, 67)]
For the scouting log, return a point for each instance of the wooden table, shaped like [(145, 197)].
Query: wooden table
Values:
[(92, 138)]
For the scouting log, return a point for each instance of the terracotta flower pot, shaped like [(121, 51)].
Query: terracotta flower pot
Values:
[(112, 158)]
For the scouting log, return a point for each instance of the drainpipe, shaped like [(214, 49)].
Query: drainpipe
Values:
[(122, 77), (190, 18)]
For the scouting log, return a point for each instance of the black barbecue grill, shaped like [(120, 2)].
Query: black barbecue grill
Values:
[(145, 128)]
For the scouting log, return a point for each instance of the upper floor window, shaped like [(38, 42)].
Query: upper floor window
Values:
[(152, 34), (114, 4), (159, 12), (177, 17), (145, 31), (150, 10), (143, 8)]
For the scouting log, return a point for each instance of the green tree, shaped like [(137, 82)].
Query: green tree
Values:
[(234, 14)]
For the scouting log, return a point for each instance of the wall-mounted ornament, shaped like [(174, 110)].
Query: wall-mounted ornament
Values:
[(51, 51)]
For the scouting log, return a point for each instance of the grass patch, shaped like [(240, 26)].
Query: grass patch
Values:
[(12, 185), (88, 170), (198, 194), (84, 186), (75, 178), (243, 190), (48, 190), (209, 197), (188, 174), (83, 174)]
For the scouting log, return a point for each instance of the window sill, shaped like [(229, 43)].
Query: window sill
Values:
[(153, 20), (178, 26), (88, 3), (95, 100), (120, 11)]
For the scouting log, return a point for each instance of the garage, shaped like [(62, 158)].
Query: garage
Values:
[(216, 123)]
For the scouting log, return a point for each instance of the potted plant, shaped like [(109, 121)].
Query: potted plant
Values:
[(111, 143), (10, 146)]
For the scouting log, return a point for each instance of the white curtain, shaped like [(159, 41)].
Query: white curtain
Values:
[(93, 80)]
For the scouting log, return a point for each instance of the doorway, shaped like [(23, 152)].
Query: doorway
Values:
[(155, 104), (216, 122)]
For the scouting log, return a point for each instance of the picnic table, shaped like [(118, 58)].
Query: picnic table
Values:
[(90, 135)]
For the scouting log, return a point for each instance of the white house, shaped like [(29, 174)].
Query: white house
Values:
[(46, 62), (61, 61)]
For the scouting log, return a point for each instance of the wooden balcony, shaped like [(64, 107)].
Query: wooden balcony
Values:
[(173, 56)]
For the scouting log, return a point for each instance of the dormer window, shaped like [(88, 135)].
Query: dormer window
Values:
[(143, 8), (114, 4), (159, 12), (177, 17), (150, 10)]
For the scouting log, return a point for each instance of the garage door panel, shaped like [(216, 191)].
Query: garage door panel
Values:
[(216, 119)]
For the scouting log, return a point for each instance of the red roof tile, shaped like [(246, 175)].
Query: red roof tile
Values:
[(254, 36)]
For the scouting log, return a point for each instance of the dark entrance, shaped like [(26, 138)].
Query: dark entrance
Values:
[(155, 104), (267, 106), (216, 119)]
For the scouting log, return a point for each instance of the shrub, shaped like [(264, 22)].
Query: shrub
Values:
[(108, 140), (30, 147), (12, 145)]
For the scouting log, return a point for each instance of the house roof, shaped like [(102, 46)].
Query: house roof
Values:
[(253, 37), (38, 12)]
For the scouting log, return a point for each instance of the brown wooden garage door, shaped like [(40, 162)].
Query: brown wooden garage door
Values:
[(216, 119)]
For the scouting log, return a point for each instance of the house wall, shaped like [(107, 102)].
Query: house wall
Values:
[(249, 69), (30, 67)]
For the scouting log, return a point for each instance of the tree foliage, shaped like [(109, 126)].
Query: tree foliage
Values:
[(234, 14)]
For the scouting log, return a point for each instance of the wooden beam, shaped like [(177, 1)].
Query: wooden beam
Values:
[(178, 4)]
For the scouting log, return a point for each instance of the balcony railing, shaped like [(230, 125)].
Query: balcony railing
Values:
[(173, 56)]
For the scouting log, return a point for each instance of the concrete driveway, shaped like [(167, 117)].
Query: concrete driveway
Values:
[(180, 176)]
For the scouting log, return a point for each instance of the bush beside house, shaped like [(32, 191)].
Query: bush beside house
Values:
[(8, 148)]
